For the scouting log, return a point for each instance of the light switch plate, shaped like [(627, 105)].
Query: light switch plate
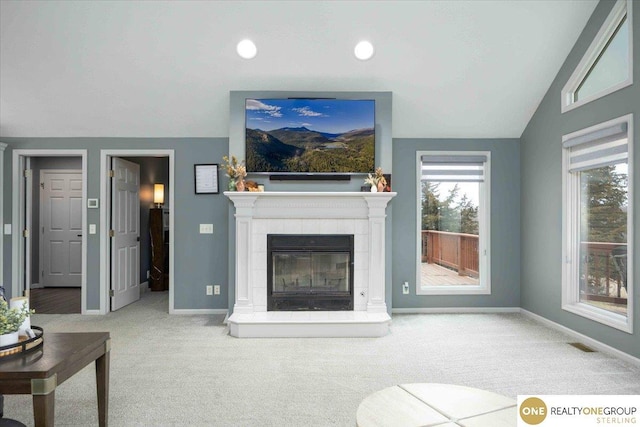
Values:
[(7, 229), (206, 228), (92, 229)]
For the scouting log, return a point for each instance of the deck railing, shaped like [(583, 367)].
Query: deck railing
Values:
[(603, 271), (457, 251)]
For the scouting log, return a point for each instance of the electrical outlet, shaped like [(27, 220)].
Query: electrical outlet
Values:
[(206, 228), (209, 290), (216, 290), (405, 288), (148, 274)]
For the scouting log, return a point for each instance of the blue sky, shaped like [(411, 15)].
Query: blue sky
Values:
[(322, 115)]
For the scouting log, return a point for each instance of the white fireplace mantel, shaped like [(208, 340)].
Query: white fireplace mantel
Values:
[(258, 214)]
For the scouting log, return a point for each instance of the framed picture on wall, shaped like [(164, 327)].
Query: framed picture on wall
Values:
[(206, 178)]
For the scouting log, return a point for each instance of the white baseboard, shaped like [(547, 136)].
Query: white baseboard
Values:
[(144, 286), (200, 311), (453, 310), (92, 312), (583, 338)]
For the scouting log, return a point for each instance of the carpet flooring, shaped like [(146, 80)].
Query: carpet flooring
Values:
[(185, 370)]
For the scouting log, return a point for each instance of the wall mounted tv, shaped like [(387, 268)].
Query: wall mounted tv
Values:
[(300, 136)]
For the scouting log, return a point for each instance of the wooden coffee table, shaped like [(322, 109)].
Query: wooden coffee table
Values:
[(63, 354)]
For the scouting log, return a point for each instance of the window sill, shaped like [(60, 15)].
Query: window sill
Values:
[(568, 107), (613, 320)]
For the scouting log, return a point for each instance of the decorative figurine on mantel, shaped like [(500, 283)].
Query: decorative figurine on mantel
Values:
[(377, 181), (236, 171)]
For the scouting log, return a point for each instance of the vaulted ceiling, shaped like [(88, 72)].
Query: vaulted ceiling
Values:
[(165, 69)]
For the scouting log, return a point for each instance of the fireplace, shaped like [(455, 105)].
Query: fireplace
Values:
[(309, 272), (361, 216)]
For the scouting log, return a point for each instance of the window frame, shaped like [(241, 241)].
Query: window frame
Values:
[(621, 9), (484, 230), (570, 235)]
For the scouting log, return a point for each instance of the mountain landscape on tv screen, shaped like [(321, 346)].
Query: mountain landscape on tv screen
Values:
[(302, 150)]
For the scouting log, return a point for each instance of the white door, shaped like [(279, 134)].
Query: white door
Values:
[(125, 242), (61, 228)]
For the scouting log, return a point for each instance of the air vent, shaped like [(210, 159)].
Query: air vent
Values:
[(582, 347)]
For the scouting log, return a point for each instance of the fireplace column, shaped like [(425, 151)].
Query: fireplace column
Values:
[(244, 220), (376, 301)]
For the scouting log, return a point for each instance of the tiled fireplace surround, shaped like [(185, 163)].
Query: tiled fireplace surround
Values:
[(358, 213)]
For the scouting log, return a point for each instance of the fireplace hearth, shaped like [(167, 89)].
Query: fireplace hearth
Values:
[(309, 272)]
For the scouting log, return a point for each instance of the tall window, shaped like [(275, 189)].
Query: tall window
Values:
[(598, 215), (607, 65), (453, 224)]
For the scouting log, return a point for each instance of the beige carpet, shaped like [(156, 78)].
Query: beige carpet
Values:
[(187, 371)]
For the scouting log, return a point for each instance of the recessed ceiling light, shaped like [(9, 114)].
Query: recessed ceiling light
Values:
[(363, 50), (247, 49)]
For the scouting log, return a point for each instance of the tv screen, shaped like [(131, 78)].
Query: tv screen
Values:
[(310, 135)]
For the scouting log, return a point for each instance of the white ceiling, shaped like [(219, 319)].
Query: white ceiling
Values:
[(164, 69)]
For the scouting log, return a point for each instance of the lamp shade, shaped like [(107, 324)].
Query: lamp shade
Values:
[(158, 193)]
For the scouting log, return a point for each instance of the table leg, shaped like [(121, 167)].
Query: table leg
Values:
[(102, 381), (44, 409)]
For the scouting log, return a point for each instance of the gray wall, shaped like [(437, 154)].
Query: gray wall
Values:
[(199, 259), (541, 201), (505, 223), (38, 164)]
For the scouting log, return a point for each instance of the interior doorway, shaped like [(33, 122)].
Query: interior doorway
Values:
[(49, 219), (125, 240), (59, 227)]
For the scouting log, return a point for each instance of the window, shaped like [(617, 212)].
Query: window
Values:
[(597, 223), (453, 223), (607, 65)]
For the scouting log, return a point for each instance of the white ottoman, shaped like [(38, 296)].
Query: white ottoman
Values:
[(444, 405)]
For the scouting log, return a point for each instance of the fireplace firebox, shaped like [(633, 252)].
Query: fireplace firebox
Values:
[(309, 272)]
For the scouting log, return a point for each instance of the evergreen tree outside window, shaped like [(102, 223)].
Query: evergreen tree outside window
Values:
[(453, 225), (597, 215)]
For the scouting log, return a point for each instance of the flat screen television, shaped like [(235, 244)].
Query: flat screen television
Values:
[(310, 136)]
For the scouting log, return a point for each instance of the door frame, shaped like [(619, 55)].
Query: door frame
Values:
[(3, 146), (105, 218), (21, 204)]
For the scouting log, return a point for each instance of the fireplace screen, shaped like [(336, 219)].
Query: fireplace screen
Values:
[(310, 272)]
